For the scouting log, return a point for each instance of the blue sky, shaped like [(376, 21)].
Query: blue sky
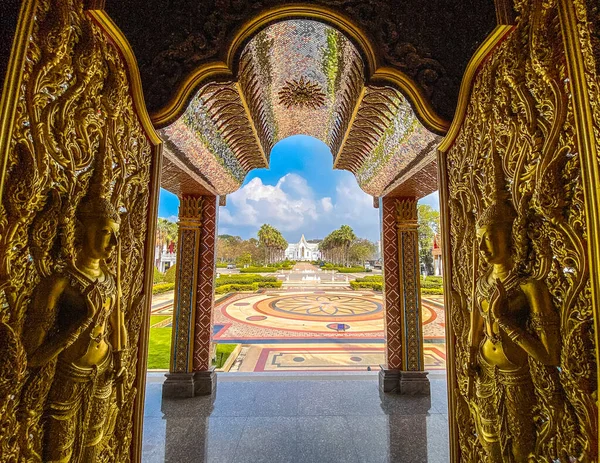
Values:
[(299, 193)]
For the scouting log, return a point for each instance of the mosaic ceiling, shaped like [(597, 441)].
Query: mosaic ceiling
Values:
[(298, 77)]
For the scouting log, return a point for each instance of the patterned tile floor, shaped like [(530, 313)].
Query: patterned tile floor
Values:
[(313, 330)]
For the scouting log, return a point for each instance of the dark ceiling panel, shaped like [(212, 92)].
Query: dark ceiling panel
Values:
[(9, 13), (431, 41)]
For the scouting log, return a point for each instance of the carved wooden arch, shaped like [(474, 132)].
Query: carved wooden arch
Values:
[(376, 74)]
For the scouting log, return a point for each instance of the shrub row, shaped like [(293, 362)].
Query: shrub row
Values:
[(432, 291), (434, 279), (258, 270), (162, 288), (345, 269), (375, 285), (378, 278), (352, 269), (425, 284), (241, 279), (158, 276), (228, 288)]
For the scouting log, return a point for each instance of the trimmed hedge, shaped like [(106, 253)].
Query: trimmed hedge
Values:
[(432, 285), (163, 288), (235, 287), (221, 265), (375, 285), (228, 288), (241, 279), (432, 291), (230, 283), (345, 269), (352, 270), (269, 284), (258, 270), (170, 274), (378, 278)]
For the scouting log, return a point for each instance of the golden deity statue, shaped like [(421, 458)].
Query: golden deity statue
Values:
[(513, 319), (75, 321)]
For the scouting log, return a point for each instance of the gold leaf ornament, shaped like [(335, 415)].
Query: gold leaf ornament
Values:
[(302, 93)]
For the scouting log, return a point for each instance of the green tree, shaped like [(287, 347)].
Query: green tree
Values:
[(166, 233), (272, 242), (244, 259), (360, 250), (346, 237), (229, 248), (335, 246), (429, 226)]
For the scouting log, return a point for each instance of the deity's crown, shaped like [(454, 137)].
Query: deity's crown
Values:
[(98, 208), (497, 213)]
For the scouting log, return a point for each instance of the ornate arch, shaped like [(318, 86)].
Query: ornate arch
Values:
[(376, 74)]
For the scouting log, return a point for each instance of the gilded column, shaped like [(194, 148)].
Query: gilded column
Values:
[(189, 372), (404, 369)]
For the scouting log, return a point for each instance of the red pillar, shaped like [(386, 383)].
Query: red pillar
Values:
[(404, 369), (190, 371), (205, 285)]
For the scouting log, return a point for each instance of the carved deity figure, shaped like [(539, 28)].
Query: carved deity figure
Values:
[(513, 319), (75, 321)]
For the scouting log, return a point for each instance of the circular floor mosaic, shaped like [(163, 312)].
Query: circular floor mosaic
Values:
[(317, 307), (311, 314)]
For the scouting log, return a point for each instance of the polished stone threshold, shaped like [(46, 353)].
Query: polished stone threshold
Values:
[(300, 417)]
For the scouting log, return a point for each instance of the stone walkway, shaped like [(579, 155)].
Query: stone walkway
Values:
[(312, 418)]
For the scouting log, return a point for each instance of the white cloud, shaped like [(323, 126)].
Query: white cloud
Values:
[(352, 202), (326, 204), (295, 184), (288, 205), (292, 207)]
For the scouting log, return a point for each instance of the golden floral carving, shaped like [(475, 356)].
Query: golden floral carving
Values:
[(302, 93), (190, 208), (74, 103), (406, 212)]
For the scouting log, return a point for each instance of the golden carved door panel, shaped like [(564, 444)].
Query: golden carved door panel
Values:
[(518, 185), (81, 165)]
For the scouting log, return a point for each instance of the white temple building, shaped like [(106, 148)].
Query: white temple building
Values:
[(165, 257), (303, 250)]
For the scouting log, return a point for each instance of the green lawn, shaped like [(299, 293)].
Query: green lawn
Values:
[(159, 348), (223, 352), (154, 319)]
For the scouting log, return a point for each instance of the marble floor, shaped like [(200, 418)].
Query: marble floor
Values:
[(308, 417)]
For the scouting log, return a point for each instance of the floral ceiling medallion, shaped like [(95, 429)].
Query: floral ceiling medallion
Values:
[(302, 93)]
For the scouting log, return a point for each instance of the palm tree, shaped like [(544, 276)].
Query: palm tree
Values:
[(335, 246), (347, 236), (166, 233), (273, 243)]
